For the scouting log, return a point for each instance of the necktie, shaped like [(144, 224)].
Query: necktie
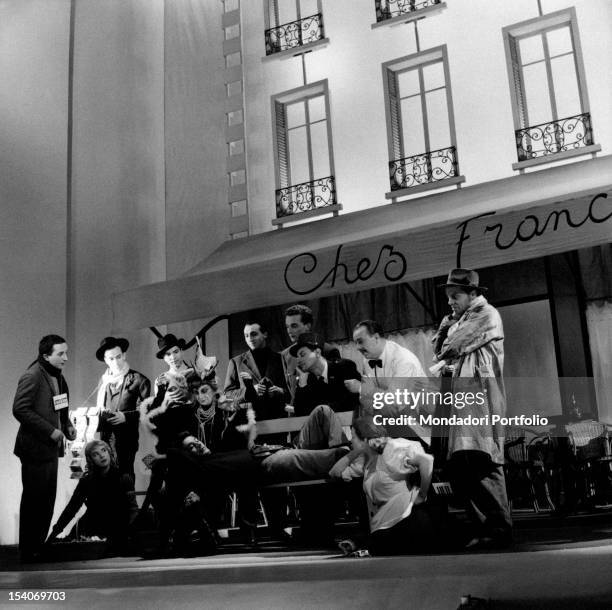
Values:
[(375, 363)]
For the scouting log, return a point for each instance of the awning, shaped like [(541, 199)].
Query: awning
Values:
[(526, 216)]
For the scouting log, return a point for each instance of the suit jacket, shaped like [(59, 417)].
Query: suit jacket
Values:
[(332, 393), (33, 408), (290, 366), (134, 389), (265, 407)]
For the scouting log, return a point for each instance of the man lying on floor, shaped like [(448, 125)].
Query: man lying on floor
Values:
[(207, 478)]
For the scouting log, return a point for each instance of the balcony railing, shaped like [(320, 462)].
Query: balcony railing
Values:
[(388, 9), (305, 197), (554, 137), (426, 168), (294, 34)]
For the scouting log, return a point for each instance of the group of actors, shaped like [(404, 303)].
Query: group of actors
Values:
[(208, 445)]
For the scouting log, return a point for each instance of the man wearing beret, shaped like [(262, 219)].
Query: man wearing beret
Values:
[(120, 392), (41, 407)]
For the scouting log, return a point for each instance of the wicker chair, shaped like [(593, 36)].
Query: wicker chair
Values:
[(525, 467), (590, 444)]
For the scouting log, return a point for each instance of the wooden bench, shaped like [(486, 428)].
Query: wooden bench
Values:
[(294, 424)]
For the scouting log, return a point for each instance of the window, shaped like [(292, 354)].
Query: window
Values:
[(548, 89), (304, 160), (292, 24), (421, 132), (400, 11)]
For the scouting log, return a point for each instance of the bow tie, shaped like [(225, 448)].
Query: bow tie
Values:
[(375, 363)]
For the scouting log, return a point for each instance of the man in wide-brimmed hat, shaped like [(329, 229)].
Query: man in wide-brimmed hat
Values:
[(469, 347), (120, 392)]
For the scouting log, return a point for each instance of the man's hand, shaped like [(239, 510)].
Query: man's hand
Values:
[(117, 418), (276, 390), (353, 385), (58, 437), (260, 389)]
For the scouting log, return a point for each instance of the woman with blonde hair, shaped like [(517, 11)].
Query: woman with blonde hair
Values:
[(108, 495), (396, 479)]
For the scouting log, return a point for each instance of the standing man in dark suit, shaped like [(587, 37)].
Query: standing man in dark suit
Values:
[(120, 391), (41, 406), (324, 384), (298, 320), (257, 376)]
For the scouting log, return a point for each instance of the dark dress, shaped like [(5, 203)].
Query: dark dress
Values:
[(111, 505)]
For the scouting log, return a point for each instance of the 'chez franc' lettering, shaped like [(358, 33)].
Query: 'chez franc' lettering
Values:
[(307, 264), (306, 267), (531, 226)]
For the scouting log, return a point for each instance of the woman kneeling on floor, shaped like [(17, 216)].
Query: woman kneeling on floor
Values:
[(108, 495), (399, 521)]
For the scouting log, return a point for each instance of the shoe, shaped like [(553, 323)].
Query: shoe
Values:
[(347, 547), (487, 543)]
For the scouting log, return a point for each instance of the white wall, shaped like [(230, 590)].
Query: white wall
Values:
[(33, 120), (118, 230), (472, 31), (118, 172)]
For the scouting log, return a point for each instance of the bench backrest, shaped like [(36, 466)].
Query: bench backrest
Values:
[(294, 424)]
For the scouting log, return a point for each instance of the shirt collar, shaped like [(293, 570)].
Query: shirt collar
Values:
[(325, 372)]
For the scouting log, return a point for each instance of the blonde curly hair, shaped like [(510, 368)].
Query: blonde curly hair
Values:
[(90, 448)]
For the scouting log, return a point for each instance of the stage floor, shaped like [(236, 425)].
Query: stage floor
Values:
[(553, 565)]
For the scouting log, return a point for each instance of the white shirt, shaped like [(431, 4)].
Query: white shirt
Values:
[(397, 361)]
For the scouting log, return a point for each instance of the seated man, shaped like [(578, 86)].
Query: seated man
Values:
[(323, 381)]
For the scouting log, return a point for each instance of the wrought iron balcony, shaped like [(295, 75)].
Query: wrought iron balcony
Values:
[(294, 34), (554, 137), (426, 168), (388, 9), (305, 197)]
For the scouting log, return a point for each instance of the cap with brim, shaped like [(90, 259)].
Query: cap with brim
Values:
[(110, 343), (168, 342), (309, 340)]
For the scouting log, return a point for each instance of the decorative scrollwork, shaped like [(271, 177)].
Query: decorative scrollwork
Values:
[(428, 167), (388, 9), (294, 34), (305, 196), (554, 137)]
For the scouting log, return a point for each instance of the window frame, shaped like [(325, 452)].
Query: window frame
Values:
[(512, 35), (300, 94), (409, 16), (297, 50), (398, 66)]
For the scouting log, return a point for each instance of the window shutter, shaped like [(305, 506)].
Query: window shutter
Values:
[(281, 143), (395, 116), (517, 75)]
